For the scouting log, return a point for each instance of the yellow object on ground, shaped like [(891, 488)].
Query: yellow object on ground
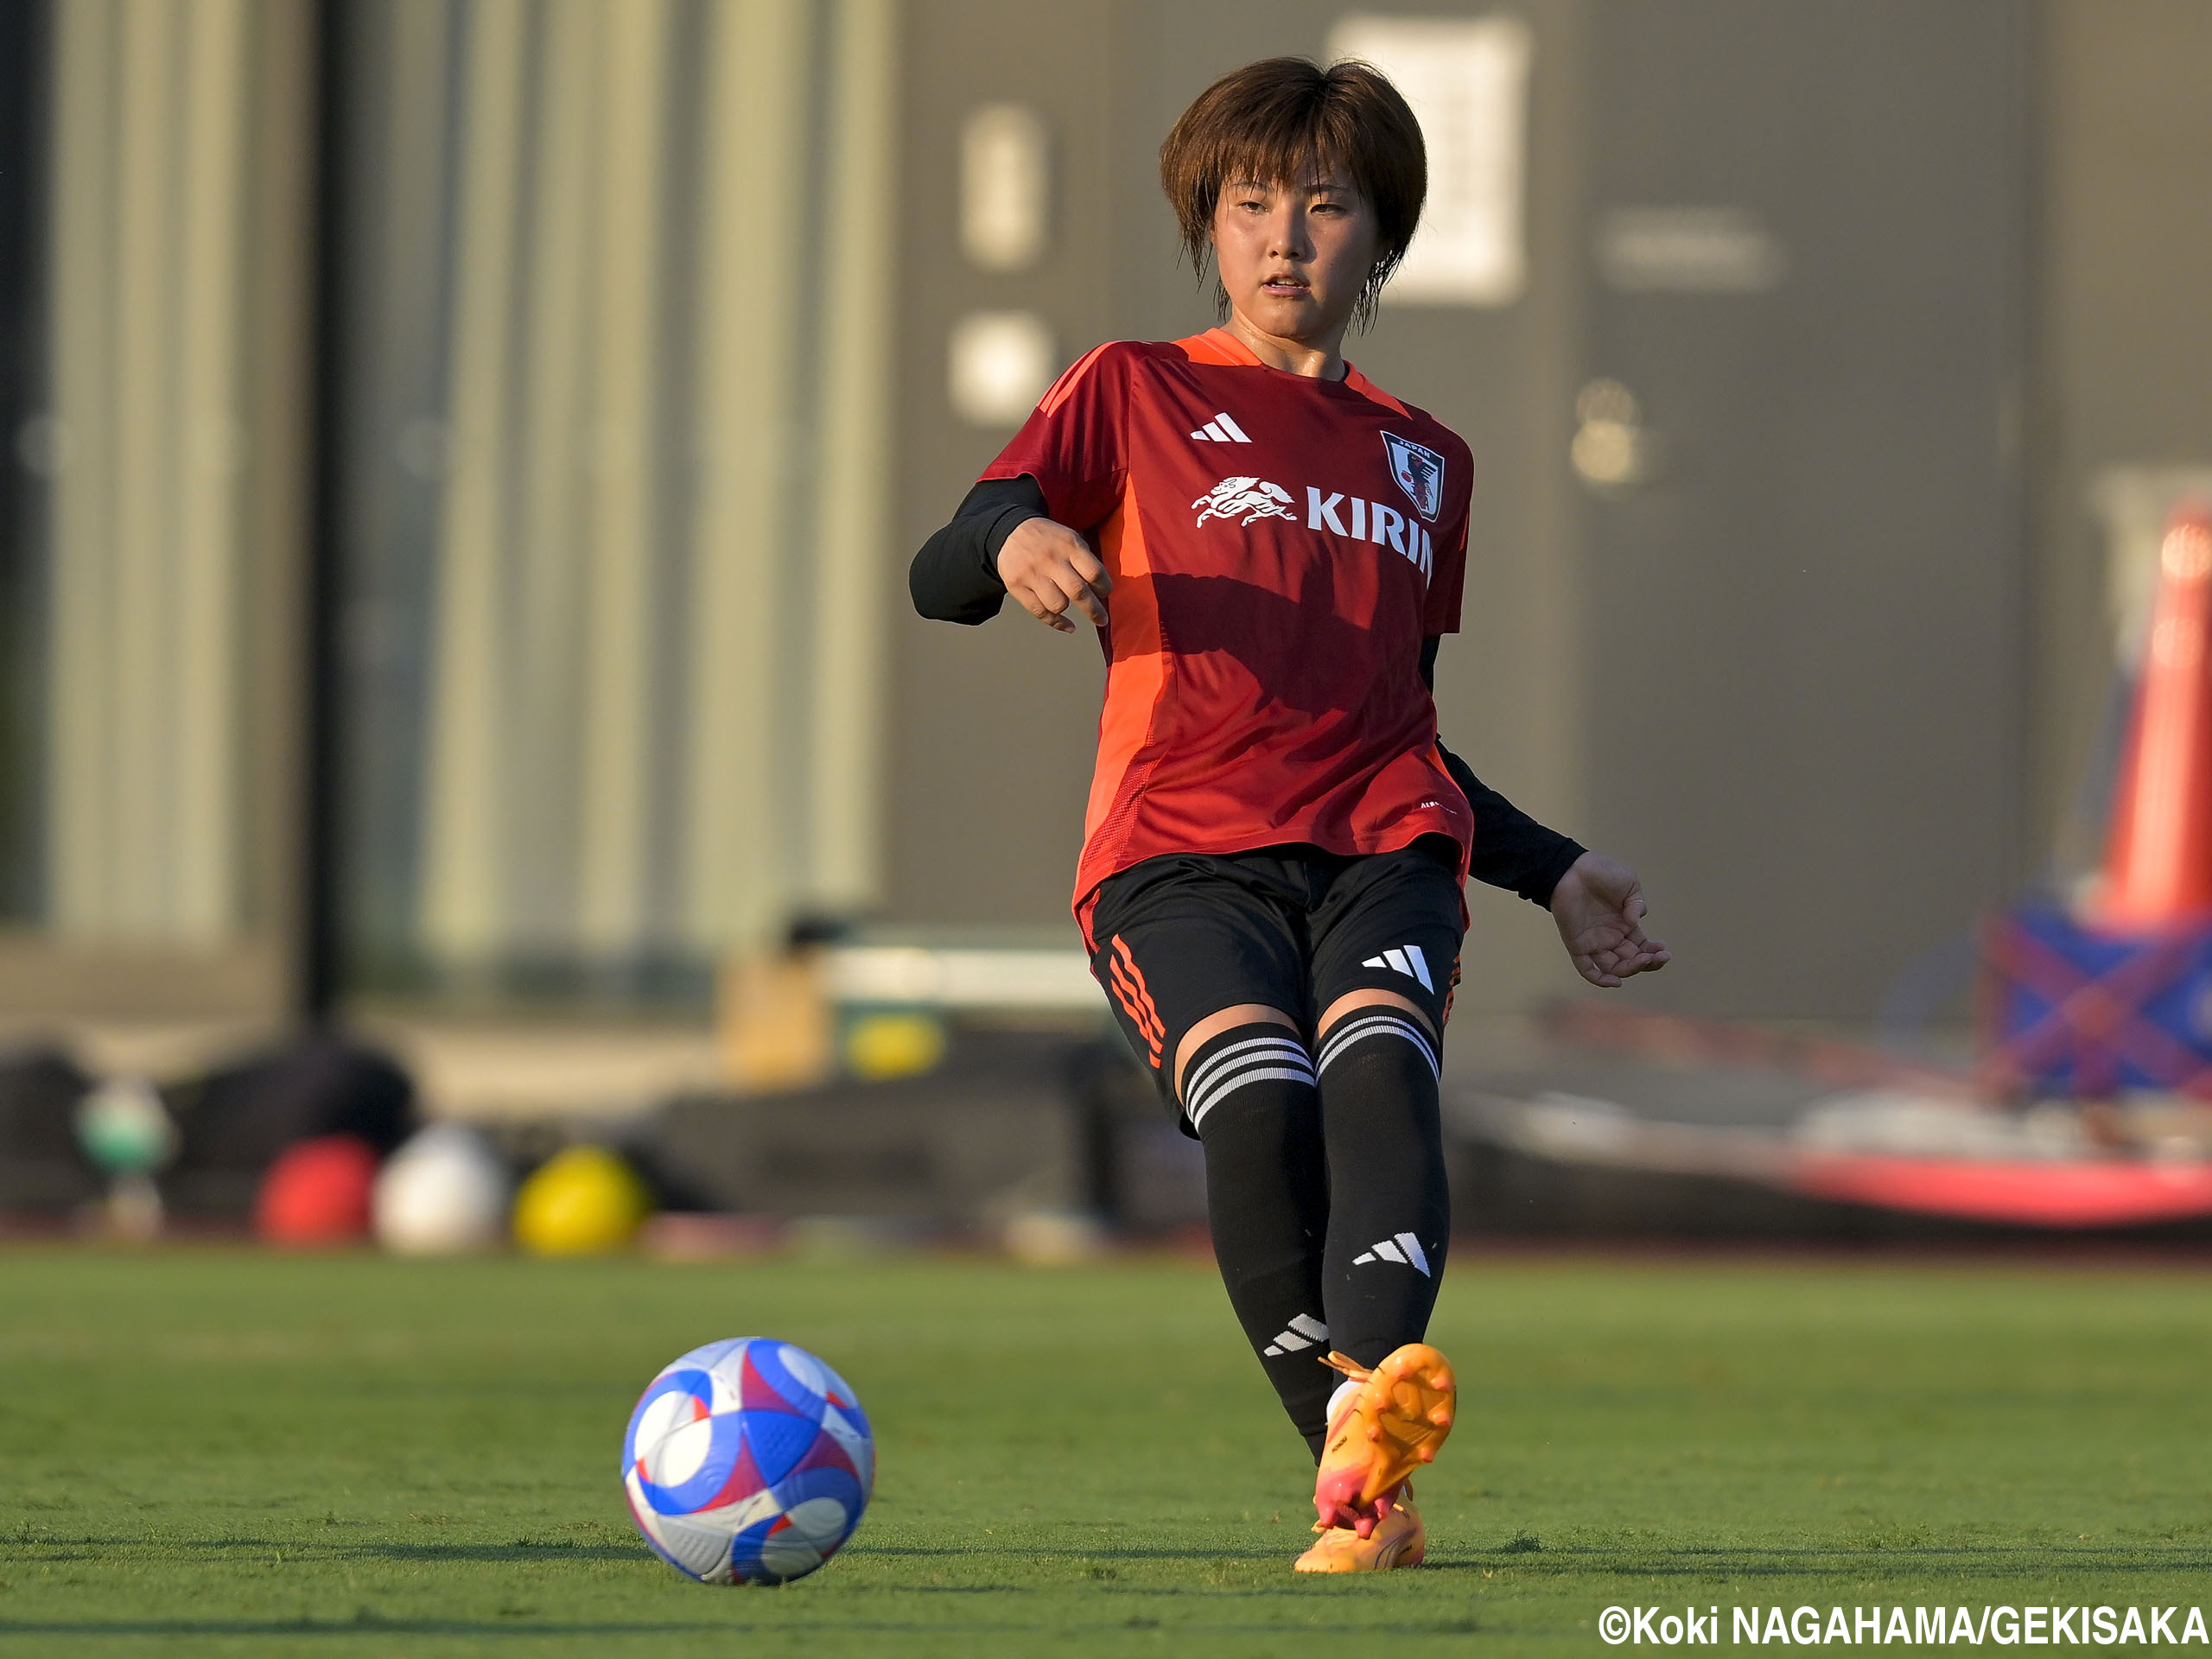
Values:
[(580, 1201), (881, 1046), (1398, 1540)]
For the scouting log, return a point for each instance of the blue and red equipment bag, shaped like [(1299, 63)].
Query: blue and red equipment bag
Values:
[(2073, 1011)]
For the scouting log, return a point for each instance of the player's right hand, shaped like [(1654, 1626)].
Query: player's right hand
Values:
[(1050, 570), (1599, 906)]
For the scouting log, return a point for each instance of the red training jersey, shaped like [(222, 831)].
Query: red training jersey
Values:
[(1279, 547)]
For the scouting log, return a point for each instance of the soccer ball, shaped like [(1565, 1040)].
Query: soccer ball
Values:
[(445, 1190), (747, 1462)]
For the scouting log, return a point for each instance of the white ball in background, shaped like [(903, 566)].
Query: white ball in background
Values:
[(445, 1191)]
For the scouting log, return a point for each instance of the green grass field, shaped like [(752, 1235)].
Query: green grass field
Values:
[(208, 1451)]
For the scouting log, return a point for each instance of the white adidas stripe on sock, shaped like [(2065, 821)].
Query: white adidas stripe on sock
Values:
[(1405, 1249), (1303, 1332), (1415, 1254), (1256, 1060), (1361, 1027)]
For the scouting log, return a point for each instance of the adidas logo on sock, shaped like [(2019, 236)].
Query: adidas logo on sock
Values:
[(1303, 1332), (1221, 429), (1405, 1249), (1408, 960)]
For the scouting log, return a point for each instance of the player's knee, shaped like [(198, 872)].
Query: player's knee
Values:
[(1370, 997), (1204, 1032), (1380, 1031), (1258, 1063)]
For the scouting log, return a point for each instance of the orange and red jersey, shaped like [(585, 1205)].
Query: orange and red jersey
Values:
[(1280, 546)]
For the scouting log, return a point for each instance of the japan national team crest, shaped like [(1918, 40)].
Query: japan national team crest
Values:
[(1420, 472)]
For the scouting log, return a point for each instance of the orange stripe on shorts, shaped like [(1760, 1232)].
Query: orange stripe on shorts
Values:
[(1144, 993), (1129, 991)]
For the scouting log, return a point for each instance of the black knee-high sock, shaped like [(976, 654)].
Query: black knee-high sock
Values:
[(1249, 1092), (1390, 1209)]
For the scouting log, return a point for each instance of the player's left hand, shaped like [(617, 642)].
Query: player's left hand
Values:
[(1598, 906)]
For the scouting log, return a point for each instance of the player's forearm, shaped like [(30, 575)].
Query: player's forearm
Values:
[(954, 576), (1509, 849)]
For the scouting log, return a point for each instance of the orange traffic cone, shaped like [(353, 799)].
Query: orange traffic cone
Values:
[(2158, 858)]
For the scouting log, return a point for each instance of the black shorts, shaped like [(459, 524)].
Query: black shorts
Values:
[(1184, 936)]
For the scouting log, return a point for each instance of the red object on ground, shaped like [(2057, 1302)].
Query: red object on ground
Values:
[(317, 1192), (2075, 1194), (2158, 858)]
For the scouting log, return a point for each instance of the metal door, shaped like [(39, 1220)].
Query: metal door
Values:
[(1798, 439)]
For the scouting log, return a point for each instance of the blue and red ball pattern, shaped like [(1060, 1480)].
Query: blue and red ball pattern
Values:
[(748, 1461)]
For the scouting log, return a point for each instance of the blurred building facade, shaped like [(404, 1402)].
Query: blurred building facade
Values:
[(464, 454), (616, 482)]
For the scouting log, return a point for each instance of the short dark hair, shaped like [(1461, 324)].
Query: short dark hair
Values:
[(1276, 120)]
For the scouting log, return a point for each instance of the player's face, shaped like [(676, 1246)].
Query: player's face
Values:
[(1292, 257)]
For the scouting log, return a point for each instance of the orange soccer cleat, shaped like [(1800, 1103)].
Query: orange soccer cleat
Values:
[(1380, 1432), (1396, 1538)]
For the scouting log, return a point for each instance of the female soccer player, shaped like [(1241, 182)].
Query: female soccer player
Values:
[(1271, 547)]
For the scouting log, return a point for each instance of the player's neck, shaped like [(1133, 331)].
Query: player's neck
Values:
[(1320, 358)]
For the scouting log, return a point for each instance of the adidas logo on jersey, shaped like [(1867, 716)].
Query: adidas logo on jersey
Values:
[(1406, 959), (1405, 1249), (1221, 429), (1303, 1332)]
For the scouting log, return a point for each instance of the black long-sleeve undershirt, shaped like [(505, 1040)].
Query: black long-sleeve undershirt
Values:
[(955, 578)]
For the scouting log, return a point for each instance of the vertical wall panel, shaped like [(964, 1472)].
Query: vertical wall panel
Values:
[(403, 176), (149, 551), (25, 241), (648, 725), (140, 660), (852, 512), (543, 564), (758, 56), (1823, 591), (209, 440), (80, 814), (462, 860), (622, 581)]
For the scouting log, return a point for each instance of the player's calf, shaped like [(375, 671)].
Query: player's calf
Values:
[(1249, 1092), (1389, 1206)]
